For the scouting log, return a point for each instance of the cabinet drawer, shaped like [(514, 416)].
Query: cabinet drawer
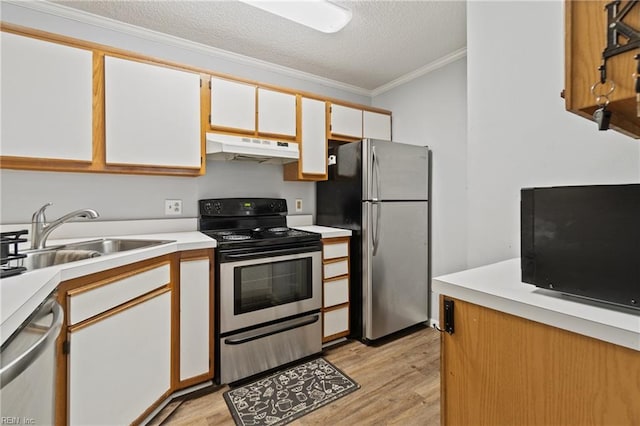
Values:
[(335, 269), (336, 292), (333, 251), (335, 321), (87, 302)]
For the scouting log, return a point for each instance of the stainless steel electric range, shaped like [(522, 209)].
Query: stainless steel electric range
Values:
[(268, 286)]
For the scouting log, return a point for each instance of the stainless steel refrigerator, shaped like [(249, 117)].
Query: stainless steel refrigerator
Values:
[(380, 191)]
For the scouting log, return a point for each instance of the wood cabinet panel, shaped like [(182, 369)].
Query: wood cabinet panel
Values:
[(502, 369), (585, 39), (46, 99), (152, 115)]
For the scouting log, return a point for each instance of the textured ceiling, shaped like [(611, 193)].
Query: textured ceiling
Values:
[(384, 41)]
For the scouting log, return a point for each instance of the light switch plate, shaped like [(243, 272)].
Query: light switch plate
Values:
[(298, 205), (172, 207)]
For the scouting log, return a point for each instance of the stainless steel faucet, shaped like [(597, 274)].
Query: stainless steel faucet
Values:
[(40, 229)]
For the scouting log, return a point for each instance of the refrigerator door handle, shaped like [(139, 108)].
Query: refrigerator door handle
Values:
[(376, 172), (376, 225)]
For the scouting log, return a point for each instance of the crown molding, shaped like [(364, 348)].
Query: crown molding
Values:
[(446, 60), (156, 36)]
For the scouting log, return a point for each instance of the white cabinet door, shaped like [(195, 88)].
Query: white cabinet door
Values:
[(313, 148), (47, 98), (152, 115), (335, 321), (346, 121), (276, 113), (120, 364), (376, 125), (195, 305), (233, 105)]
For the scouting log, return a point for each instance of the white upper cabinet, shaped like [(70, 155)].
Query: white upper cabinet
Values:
[(346, 121), (313, 155), (233, 105), (47, 94), (152, 115), (376, 125), (276, 113)]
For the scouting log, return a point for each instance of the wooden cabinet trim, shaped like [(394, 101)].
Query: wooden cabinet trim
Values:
[(334, 260)]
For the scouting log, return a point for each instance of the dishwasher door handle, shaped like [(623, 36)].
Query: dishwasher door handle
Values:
[(20, 364)]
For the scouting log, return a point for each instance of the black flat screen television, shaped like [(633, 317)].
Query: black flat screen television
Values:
[(583, 241)]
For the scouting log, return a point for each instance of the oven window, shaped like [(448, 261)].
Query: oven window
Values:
[(270, 284)]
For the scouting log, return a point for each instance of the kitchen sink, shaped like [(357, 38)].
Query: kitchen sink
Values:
[(112, 245), (57, 255)]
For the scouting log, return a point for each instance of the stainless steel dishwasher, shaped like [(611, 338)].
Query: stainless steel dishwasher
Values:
[(27, 368)]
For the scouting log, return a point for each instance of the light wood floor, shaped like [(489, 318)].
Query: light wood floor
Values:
[(399, 379)]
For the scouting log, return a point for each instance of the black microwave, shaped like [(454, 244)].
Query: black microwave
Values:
[(583, 241)]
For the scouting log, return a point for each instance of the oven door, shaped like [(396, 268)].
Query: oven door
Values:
[(257, 287)]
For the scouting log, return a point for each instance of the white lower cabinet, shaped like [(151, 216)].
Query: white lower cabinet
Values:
[(195, 323), (335, 288), (118, 343), (119, 364)]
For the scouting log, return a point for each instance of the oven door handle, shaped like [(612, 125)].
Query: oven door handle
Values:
[(260, 335), (268, 253)]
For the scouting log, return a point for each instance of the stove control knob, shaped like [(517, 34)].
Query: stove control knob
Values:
[(272, 206), (206, 207), (217, 206)]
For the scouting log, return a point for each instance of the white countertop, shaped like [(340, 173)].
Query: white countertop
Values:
[(325, 231), (20, 295), (499, 286)]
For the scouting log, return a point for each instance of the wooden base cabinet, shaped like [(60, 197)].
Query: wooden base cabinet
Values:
[(500, 369), (335, 284)]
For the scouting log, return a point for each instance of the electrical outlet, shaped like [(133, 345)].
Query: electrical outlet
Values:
[(172, 207), (298, 205)]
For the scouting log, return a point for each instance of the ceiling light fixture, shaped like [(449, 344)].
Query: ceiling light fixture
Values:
[(320, 15)]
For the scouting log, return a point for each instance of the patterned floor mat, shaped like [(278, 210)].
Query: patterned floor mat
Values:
[(287, 395)]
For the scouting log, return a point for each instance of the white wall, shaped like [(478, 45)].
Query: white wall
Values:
[(139, 197), (520, 135), (432, 110)]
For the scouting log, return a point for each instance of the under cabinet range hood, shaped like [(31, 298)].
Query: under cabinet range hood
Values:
[(228, 147)]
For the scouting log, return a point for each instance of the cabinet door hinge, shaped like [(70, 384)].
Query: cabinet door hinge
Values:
[(209, 84), (209, 118), (66, 347)]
